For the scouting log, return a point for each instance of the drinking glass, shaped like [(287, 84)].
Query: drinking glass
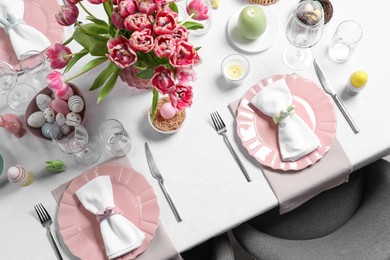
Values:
[(193, 8), (76, 142), (304, 30), (19, 95), (345, 40), (115, 137), (34, 64)]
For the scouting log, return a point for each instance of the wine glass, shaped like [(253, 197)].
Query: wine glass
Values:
[(34, 64), (304, 30), (75, 141), (18, 94)]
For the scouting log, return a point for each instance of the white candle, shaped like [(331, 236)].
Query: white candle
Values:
[(235, 68)]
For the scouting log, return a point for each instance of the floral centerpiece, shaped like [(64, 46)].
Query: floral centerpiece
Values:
[(145, 36)]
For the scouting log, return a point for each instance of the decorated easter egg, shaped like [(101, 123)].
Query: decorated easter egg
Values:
[(76, 103), (167, 111), (49, 115), (68, 94), (49, 127), (36, 119), (43, 101), (60, 106), (60, 119), (65, 129), (73, 117)]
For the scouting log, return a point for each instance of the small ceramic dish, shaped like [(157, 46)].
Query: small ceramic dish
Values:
[(165, 126), (33, 107)]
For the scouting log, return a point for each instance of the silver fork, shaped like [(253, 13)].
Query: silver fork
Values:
[(220, 127), (46, 221)]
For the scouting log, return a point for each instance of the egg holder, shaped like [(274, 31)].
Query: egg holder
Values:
[(181, 114), (33, 107)]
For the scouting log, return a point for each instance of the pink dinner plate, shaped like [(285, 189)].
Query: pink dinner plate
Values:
[(258, 132), (132, 194), (40, 15)]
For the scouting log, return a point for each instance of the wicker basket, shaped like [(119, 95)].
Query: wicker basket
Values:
[(263, 2)]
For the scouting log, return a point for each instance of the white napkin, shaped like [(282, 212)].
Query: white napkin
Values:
[(120, 236), (296, 139), (23, 37)]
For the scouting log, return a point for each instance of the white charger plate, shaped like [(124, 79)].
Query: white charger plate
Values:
[(252, 46)]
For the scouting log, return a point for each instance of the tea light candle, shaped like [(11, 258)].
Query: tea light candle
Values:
[(235, 68)]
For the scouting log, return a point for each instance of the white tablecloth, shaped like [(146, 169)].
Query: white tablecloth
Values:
[(206, 184)]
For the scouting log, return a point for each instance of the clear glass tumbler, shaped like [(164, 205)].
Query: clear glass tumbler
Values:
[(115, 137)]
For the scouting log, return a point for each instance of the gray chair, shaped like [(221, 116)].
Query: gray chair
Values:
[(217, 248), (351, 221)]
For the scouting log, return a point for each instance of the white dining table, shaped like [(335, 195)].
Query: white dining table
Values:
[(205, 182)]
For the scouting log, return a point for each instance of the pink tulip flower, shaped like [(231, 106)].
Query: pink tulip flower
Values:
[(180, 33), (126, 8), (55, 81), (120, 52), (59, 56), (137, 22), (117, 19), (142, 40), (162, 80), (67, 15), (164, 46), (185, 74), (165, 23), (146, 6), (181, 97), (185, 55), (198, 9), (73, 2)]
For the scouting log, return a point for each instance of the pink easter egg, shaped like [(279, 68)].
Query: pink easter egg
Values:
[(167, 111), (60, 106)]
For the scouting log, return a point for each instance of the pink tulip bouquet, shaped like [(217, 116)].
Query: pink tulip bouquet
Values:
[(145, 34)]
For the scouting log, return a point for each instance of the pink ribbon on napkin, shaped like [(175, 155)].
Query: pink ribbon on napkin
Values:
[(107, 212)]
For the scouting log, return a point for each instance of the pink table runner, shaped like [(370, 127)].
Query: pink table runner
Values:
[(160, 247), (295, 188)]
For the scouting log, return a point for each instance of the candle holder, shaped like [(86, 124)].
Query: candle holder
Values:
[(235, 68)]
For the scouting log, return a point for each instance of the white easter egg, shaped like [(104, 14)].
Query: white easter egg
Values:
[(36, 119), (76, 103), (43, 101), (49, 115), (60, 119), (73, 117)]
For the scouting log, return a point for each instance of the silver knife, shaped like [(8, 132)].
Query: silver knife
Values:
[(328, 89), (157, 175)]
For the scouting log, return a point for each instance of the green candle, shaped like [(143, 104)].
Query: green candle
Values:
[(252, 22)]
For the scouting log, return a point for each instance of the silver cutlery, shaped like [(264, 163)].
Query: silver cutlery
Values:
[(220, 127), (157, 175), (328, 89), (46, 222)]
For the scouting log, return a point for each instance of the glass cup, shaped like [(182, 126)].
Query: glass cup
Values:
[(235, 68), (344, 41), (115, 137), (33, 63), (196, 12)]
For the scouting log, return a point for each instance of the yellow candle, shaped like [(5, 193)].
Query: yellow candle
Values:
[(234, 71)]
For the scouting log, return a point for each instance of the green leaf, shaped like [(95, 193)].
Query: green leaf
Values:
[(103, 76), (146, 74), (92, 28), (92, 64), (197, 48), (108, 8), (154, 102), (192, 25), (68, 40), (108, 86), (96, 47), (173, 7), (97, 21), (75, 59)]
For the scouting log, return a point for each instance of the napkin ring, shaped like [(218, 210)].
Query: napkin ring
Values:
[(10, 22), (283, 114), (107, 212)]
